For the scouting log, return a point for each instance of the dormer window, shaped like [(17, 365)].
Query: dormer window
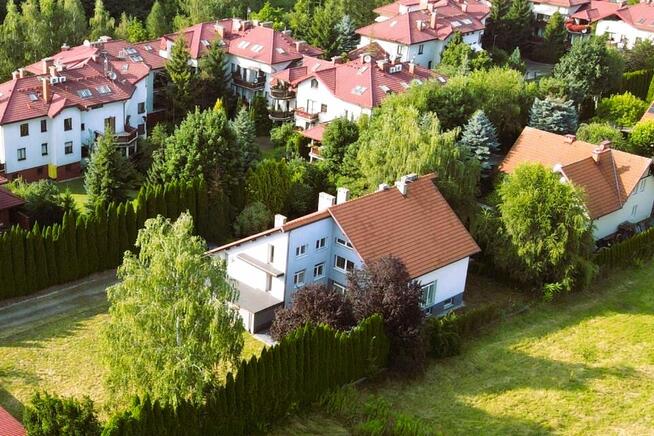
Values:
[(103, 89), (314, 83), (32, 96), (84, 93)]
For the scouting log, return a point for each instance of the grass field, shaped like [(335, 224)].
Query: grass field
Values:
[(583, 365), (76, 187), (62, 356)]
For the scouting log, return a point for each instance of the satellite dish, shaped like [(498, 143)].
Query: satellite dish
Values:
[(112, 75), (367, 58)]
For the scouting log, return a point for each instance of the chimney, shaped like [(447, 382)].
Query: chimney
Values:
[(402, 187), (220, 30), (300, 45), (569, 139), (420, 24), (268, 24), (14, 75), (432, 19), (21, 72), (381, 63), (383, 187), (45, 63), (65, 47), (53, 71), (46, 89), (336, 60), (325, 201), (342, 195), (412, 68), (464, 7), (602, 148), (403, 183), (280, 220), (430, 7)]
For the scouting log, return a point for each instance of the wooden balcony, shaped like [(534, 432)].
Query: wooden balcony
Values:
[(302, 113), (282, 93), (122, 139), (257, 85), (281, 115)]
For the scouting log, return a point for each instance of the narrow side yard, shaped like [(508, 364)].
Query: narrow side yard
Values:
[(583, 365)]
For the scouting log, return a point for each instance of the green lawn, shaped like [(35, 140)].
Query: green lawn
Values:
[(583, 365), (62, 356), (76, 187)]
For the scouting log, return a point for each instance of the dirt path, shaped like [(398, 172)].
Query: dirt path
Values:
[(74, 297)]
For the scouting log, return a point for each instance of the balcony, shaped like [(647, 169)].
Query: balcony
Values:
[(314, 153), (280, 115), (282, 93), (302, 113), (124, 141), (257, 85)]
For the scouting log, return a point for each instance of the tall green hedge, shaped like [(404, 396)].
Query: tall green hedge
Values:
[(637, 82), (288, 376), (640, 246), (81, 245)]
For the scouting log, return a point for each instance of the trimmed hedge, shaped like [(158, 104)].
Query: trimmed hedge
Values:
[(81, 245), (637, 83), (640, 246), (290, 375)]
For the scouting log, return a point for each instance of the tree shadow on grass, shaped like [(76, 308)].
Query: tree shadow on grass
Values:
[(10, 403)]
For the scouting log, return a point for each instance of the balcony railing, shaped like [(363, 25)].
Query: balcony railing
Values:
[(122, 139), (280, 115), (258, 83), (302, 113), (282, 93)]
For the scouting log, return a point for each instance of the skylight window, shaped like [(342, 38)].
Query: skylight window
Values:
[(147, 47), (385, 88), (280, 50), (404, 85), (243, 44), (256, 48), (130, 50), (84, 93), (136, 58), (32, 96), (205, 42), (359, 90), (466, 21), (393, 23), (455, 23), (103, 89)]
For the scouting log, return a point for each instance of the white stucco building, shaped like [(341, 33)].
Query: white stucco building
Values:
[(411, 221), (618, 186), (628, 25)]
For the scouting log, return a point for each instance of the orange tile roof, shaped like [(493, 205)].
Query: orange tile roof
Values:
[(649, 113), (607, 183), (419, 228), (9, 426)]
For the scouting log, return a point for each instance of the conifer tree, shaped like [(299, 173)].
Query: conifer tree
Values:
[(515, 60), (214, 77), (498, 27), (156, 23), (180, 88), (30, 263), (18, 259), (322, 32), (12, 40), (42, 277), (51, 255), (346, 36), (92, 248), (245, 132), (553, 115), (75, 25), (81, 228), (554, 39), (521, 19), (101, 23)]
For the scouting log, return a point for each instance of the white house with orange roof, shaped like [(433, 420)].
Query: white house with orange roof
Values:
[(628, 24), (411, 221), (54, 109), (255, 51), (418, 31), (618, 186)]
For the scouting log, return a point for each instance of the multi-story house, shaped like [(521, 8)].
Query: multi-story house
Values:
[(254, 51), (53, 111), (418, 31), (544, 9), (628, 25), (618, 186), (580, 23), (411, 221)]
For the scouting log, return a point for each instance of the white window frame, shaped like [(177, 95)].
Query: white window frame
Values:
[(298, 278), (301, 250), (321, 243), (449, 303), (339, 288), (21, 154), (319, 270), (634, 210), (343, 242), (641, 185), (344, 269), (428, 294)]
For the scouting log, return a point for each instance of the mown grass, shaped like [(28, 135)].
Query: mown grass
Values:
[(76, 188), (581, 365), (62, 356)]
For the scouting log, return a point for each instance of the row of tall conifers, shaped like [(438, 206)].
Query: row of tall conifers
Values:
[(288, 376), (31, 260)]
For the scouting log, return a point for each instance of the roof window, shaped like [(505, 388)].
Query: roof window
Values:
[(359, 90), (205, 42), (466, 21), (103, 89), (147, 47), (130, 50), (455, 23), (385, 88), (136, 58), (280, 50), (243, 44), (84, 93), (32, 96), (256, 48)]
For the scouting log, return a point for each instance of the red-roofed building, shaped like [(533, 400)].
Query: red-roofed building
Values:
[(255, 51), (9, 203), (580, 22), (418, 30), (411, 221), (628, 24), (54, 108), (9, 426)]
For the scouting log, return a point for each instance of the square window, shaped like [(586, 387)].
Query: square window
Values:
[(44, 149), (344, 265), (68, 124), (298, 279), (68, 147), (343, 242), (24, 129), (22, 154), (319, 271), (83, 127), (421, 49), (338, 287), (321, 243), (301, 250), (429, 294), (141, 108), (44, 125)]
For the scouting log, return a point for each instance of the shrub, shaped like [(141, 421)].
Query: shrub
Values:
[(642, 138), (43, 202), (253, 219), (48, 415), (598, 132), (623, 110)]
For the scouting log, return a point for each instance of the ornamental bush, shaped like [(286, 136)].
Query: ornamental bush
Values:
[(622, 110)]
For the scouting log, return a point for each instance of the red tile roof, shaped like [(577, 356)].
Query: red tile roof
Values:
[(415, 27), (9, 426), (315, 132), (640, 16), (607, 182), (478, 9), (562, 3), (595, 10), (9, 201)]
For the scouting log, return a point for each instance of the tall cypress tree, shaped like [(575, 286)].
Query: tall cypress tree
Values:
[(51, 255), (82, 247), (6, 265), (101, 23), (91, 239), (180, 89), (30, 264), (18, 259), (156, 23)]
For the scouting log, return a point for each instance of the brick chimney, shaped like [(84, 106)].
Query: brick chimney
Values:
[(569, 139), (412, 67), (432, 19), (53, 71), (47, 89), (325, 201), (14, 75), (603, 148), (45, 63)]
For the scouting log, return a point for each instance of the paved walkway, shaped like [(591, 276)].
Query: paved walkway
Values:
[(78, 296)]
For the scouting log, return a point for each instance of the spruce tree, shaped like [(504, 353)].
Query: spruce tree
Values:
[(214, 77), (498, 27), (245, 132), (101, 23), (346, 36), (480, 137), (521, 19), (156, 23), (322, 32), (180, 88), (553, 115), (555, 37)]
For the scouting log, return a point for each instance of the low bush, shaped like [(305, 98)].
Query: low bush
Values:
[(50, 415)]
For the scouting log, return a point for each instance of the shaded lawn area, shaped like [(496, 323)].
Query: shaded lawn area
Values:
[(581, 365), (63, 357), (76, 187)]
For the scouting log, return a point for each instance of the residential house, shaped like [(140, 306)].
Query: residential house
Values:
[(10, 426), (618, 186), (418, 31), (9, 204), (411, 221), (628, 24), (544, 9), (254, 51), (580, 23), (53, 111)]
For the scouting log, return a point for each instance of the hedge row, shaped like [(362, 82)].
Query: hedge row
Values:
[(288, 376), (640, 246), (81, 245), (637, 82)]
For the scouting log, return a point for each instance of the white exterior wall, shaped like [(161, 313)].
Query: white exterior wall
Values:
[(94, 119), (32, 144), (322, 95), (141, 95), (242, 271), (58, 156), (643, 200), (621, 33), (254, 66), (549, 10), (450, 279)]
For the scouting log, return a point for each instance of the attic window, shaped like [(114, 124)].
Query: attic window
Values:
[(257, 48), (455, 23), (136, 58), (362, 69), (385, 88), (280, 50), (84, 93), (393, 23), (103, 89), (359, 90), (205, 43), (466, 21), (147, 47), (243, 44), (32, 96), (130, 50), (124, 67)]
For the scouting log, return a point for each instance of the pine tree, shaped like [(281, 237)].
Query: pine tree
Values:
[(75, 25), (346, 37), (214, 77), (132, 229), (181, 79), (521, 19), (71, 245), (498, 27), (554, 39), (480, 137), (322, 32), (156, 23), (101, 23), (259, 114), (553, 115), (123, 241), (245, 132)]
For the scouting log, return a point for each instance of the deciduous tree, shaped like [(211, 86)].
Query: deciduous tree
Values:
[(101, 23)]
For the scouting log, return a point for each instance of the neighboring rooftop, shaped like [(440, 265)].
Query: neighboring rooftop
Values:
[(315, 132), (9, 201), (596, 10), (640, 16), (9, 426), (607, 176), (562, 3)]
